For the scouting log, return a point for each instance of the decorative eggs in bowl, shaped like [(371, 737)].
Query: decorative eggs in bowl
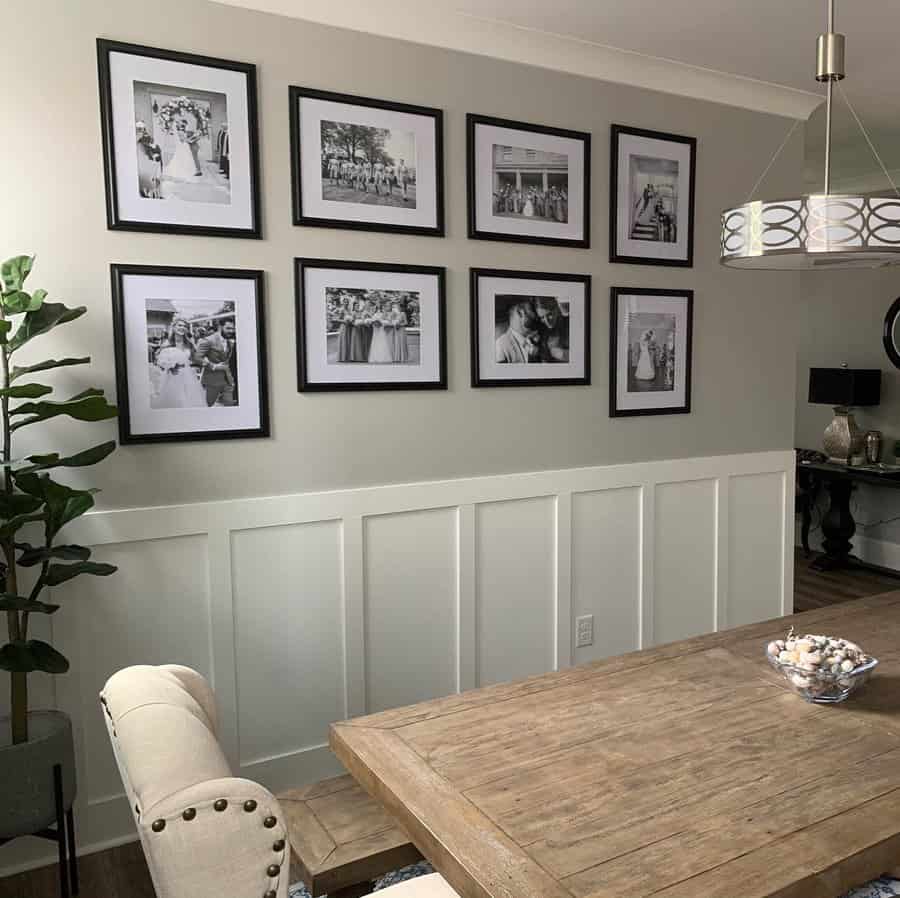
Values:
[(822, 669)]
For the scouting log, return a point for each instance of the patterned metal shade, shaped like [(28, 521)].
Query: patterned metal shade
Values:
[(812, 232)]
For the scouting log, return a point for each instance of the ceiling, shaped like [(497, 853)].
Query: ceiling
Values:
[(754, 53)]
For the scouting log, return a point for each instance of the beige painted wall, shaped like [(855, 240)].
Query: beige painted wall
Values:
[(51, 182)]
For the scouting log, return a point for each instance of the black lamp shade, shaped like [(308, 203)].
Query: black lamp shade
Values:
[(845, 386)]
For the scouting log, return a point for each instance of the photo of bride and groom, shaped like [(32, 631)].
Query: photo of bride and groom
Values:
[(651, 352), (182, 143), (191, 353)]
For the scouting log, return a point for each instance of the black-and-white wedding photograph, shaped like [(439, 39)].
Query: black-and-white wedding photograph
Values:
[(362, 164), (528, 183), (366, 164), (529, 328), (375, 327), (531, 183), (651, 197), (180, 142), (650, 351), (654, 199), (370, 326), (190, 353)]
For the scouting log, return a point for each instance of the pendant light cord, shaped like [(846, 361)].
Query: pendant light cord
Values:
[(772, 160), (868, 139)]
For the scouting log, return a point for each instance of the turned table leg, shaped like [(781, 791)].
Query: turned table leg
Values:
[(838, 527)]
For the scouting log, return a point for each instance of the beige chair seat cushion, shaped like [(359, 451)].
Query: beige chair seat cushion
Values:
[(166, 738), (432, 886)]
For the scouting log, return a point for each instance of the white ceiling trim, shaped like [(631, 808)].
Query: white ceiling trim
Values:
[(417, 23)]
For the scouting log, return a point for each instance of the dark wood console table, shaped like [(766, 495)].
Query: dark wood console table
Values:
[(838, 525)]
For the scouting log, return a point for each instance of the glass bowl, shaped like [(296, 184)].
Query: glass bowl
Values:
[(823, 687)]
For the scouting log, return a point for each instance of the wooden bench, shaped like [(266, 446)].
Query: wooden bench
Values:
[(341, 839)]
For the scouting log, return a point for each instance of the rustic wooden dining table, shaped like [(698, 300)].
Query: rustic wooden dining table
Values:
[(687, 770)]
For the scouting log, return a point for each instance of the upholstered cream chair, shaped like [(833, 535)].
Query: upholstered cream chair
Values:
[(205, 833)]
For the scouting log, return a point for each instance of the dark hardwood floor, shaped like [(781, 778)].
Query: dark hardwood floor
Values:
[(114, 873), (122, 873), (813, 589)]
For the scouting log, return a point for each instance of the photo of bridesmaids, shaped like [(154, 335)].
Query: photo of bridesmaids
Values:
[(374, 327)]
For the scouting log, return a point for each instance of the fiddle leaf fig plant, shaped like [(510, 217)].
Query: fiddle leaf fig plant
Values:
[(32, 502)]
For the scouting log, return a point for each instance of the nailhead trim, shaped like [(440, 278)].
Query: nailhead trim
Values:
[(158, 825), (279, 845), (189, 813), (269, 822), (273, 870), (220, 804), (250, 806)]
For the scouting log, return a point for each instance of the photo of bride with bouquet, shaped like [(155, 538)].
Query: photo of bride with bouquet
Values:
[(182, 144)]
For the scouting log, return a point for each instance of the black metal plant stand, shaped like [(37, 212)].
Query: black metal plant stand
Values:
[(64, 836)]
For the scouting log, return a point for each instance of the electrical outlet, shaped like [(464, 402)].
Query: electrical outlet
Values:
[(584, 631)]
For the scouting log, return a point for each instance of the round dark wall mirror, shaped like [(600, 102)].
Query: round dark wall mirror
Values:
[(891, 335)]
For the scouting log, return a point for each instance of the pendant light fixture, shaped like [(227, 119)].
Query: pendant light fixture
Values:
[(819, 230)]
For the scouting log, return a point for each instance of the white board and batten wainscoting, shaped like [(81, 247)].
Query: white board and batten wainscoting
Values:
[(305, 609)]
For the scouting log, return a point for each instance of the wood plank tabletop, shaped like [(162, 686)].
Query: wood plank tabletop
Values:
[(688, 770)]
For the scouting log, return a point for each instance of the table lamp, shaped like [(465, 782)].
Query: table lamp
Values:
[(844, 388)]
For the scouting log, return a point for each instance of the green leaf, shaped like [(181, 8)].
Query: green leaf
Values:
[(43, 366), (25, 657), (32, 555), (44, 319), (27, 391), (20, 301), (46, 657), (91, 407), (16, 658), (12, 504), (78, 460), (61, 573), (18, 522), (14, 271), (22, 603), (63, 504)]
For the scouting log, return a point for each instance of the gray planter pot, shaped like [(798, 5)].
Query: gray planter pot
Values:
[(27, 802)]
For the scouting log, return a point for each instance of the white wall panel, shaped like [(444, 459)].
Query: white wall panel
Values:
[(606, 569), (308, 607), (410, 607), (288, 625), (515, 589), (684, 570), (153, 610), (754, 589)]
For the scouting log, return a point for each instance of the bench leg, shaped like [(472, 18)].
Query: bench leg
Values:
[(363, 888)]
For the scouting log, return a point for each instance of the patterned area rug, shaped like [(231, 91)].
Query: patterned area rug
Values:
[(878, 888), (420, 869)]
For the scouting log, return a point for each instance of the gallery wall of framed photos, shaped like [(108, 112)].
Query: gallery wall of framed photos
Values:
[(192, 107)]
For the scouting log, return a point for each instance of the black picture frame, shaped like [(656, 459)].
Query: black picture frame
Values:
[(473, 120), (114, 221), (475, 275), (305, 385), (614, 294), (117, 273), (295, 94), (890, 319), (616, 131)]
